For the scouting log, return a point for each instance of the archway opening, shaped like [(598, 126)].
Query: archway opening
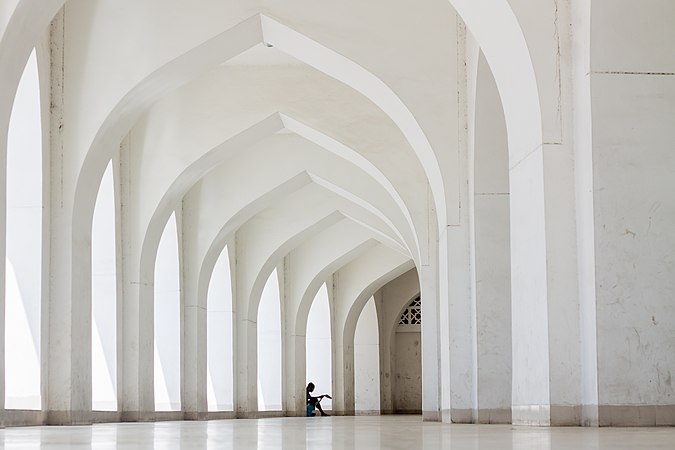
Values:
[(318, 355), (269, 346), (23, 259), (219, 336), (407, 361), (104, 298), (167, 320), (367, 361)]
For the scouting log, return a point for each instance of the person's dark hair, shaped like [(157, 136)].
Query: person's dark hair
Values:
[(310, 386)]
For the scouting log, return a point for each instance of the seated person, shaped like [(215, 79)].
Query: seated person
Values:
[(315, 401)]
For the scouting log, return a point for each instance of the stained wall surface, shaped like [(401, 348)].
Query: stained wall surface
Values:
[(408, 374)]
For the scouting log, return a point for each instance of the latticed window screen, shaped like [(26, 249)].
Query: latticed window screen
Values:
[(412, 315)]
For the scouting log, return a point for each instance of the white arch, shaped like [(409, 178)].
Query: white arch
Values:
[(367, 291), (501, 39), (357, 282), (75, 240), (196, 171), (24, 249), (256, 30), (296, 235)]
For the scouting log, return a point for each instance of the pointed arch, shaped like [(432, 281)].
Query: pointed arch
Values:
[(23, 258)]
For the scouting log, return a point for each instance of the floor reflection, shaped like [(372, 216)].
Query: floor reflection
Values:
[(339, 433)]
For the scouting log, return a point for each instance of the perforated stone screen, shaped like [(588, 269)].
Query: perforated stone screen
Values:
[(412, 314)]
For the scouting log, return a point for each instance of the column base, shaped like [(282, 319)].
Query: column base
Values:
[(589, 415), (68, 418), (636, 415), (150, 416), (259, 414), (461, 415), (446, 416), (192, 415), (566, 415), (430, 416), (495, 416), (368, 412), (531, 415), (220, 415), (22, 417)]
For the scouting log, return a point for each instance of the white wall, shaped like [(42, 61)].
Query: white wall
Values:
[(390, 300), (23, 260), (633, 93), (408, 370), (367, 361)]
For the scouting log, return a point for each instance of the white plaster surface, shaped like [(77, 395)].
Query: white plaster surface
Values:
[(408, 372), (491, 224), (632, 98), (366, 361), (529, 309), (634, 38), (390, 302), (634, 237)]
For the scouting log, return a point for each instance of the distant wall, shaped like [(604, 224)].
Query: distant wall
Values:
[(408, 370)]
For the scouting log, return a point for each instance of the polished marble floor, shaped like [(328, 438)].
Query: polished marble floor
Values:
[(364, 432)]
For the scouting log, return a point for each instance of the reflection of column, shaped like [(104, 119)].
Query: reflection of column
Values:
[(293, 436), (346, 434)]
